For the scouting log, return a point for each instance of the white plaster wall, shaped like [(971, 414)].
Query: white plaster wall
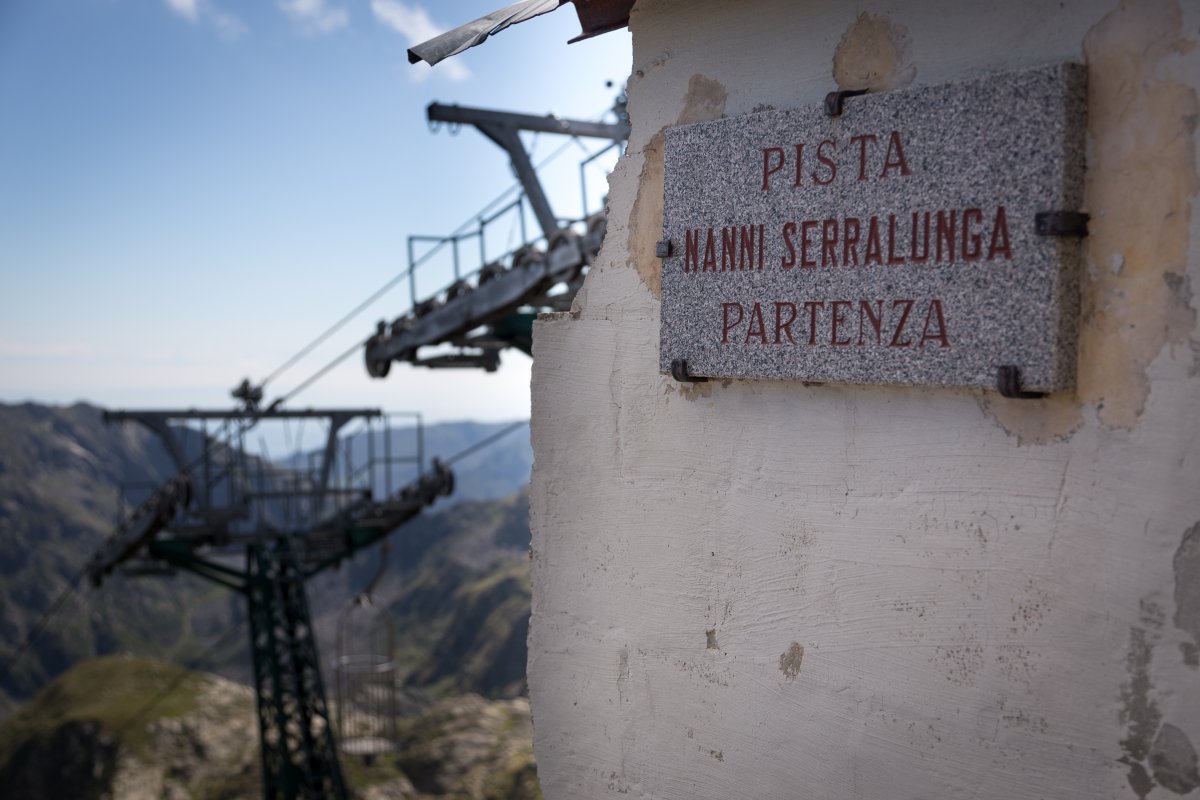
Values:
[(993, 599)]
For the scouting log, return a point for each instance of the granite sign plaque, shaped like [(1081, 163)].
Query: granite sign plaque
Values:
[(898, 242)]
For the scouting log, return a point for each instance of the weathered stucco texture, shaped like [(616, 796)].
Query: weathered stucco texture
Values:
[(763, 589)]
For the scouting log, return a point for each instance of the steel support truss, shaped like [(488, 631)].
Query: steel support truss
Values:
[(502, 300), (299, 759), (168, 533)]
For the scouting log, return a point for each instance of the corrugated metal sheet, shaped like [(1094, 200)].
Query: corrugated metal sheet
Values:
[(476, 32), (601, 16), (595, 17)]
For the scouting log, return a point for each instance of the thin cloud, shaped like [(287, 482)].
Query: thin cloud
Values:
[(57, 350), (188, 9), (414, 24), (315, 16), (228, 27)]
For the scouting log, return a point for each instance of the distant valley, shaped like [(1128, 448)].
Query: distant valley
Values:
[(454, 586)]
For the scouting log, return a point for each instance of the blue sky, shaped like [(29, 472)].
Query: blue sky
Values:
[(190, 190)]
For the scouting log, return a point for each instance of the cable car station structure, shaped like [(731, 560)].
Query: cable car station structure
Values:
[(493, 307), (263, 531), (263, 528)]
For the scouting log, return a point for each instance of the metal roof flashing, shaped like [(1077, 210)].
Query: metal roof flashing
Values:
[(596, 17)]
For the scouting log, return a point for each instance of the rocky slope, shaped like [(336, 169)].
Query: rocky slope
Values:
[(59, 472), (133, 729), (59, 469), (454, 588), (130, 728)]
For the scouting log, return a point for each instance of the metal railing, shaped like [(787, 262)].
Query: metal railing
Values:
[(474, 235), (241, 491)]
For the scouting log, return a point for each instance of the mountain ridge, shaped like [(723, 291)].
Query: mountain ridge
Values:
[(59, 466), (138, 729)]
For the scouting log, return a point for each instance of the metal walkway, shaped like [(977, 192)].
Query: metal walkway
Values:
[(492, 307)]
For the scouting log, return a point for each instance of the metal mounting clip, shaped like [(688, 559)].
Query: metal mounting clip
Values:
[(1008, 383), (835, 100), (679, 371), (662, 248), (1060, 223)]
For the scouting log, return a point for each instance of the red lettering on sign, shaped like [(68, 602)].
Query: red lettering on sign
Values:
[(769, 170), (895, 161), (875, 318), (924, 252), (812, 306), (874, 253), (728, 249), (1000, 236), (895, 157), (837, 319), (896, 341), (710, 253), (756, 328), (747, 249), (935, 309), (788, 261), (972, 243), (828, 162), (862, 152), (938, 237), (805, 261), (782, 326), (850, 236), (945, 234), (691, 251), (873, 323), (829, 238), (727, 323)]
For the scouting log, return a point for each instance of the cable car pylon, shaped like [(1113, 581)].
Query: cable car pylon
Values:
[(263, 531)]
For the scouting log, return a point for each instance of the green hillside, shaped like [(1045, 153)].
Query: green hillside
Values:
[(59, 471), (454, 581), (456, 591), (66, 741), (454, 588), (129, 727)]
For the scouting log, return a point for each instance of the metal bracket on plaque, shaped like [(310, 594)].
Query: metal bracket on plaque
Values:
[(835, 100), (1060, 223), (1045, 223), (1008, 383), (679, 371)]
